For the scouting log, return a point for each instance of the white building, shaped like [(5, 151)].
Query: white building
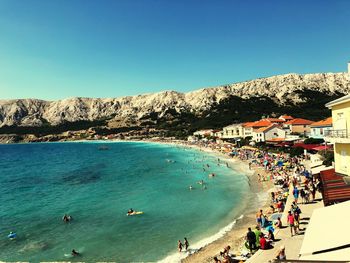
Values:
[(203, 133), (233, 131), (267, 133), (319, 129)]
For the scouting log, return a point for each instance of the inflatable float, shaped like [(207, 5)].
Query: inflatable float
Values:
[(135, 213), (12, 235)]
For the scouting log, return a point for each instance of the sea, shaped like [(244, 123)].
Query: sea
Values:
[(97, 183)]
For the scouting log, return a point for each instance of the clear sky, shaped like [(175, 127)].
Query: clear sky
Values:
[(53, 49)]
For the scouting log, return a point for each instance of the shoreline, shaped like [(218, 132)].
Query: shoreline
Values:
[(234, 233), (235, 237)]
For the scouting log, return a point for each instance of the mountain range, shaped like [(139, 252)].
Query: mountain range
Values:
[(294, 94)]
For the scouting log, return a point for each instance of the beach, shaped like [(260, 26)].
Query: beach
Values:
[(233, 236)]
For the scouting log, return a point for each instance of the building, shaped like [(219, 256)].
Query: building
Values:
[(340, 134), (298, 126), (319, 128), (247, 129), (216, 133), (233, 131), (268, 133), (250, 127), (203, 133)]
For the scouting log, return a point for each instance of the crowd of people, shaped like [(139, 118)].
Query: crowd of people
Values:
[(284, 171)]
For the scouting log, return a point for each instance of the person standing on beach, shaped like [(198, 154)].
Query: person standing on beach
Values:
[(259, 217), (251, 239), (179, 245), (186, 243)]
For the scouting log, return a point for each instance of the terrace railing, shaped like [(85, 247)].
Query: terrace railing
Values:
[(343, 133)]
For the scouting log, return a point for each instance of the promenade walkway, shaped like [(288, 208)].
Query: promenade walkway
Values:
[(292, 244)]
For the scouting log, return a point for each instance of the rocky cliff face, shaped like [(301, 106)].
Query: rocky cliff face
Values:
[(284, 91)]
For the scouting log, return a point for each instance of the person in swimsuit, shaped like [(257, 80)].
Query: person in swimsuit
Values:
[(66, 218), (186, 243), (179, 245), (131, 211)]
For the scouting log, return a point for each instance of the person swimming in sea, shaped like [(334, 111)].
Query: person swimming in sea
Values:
[(66, 218), (131, 211), (191, 187), (75, 253), (200, 182)]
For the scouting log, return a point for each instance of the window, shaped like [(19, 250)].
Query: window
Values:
[(340, 115), (321, 131)]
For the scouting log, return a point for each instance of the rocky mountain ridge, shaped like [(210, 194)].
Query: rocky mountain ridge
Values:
[(284, 91)]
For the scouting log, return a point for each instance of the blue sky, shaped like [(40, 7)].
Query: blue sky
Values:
[(57, 49)]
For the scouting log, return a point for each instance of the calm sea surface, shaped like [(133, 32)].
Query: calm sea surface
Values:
[(39, 183)]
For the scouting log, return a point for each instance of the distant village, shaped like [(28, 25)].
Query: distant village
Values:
[(285, 131)]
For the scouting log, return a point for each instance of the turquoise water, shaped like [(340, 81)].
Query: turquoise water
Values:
[(39, 183)]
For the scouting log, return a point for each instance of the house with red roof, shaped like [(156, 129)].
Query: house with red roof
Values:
[(270, 132), (249, 127), (320, 128), (298, 126), (285, 118)]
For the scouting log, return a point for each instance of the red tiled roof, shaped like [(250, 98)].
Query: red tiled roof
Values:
[(334, 187), (274, 120), (263, 129), (259, 124), (299, 121), (247, 124), (287, 117), (325, 122)]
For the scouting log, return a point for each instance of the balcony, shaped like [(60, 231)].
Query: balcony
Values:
[(337, 136)]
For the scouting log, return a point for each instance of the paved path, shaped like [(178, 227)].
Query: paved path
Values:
[(292, 244)]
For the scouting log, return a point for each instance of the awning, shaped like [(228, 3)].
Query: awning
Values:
[(322, 148), (334, 188), (306, 146), (318, 169), (327, 234), (245, 147)]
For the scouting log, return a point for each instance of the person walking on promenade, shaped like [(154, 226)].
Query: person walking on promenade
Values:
[(290, 221), (296, 194)]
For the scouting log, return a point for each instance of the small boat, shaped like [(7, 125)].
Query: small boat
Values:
[(135, 213)]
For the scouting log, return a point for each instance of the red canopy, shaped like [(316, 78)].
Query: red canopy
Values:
[(306, 146), (322, 147)]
